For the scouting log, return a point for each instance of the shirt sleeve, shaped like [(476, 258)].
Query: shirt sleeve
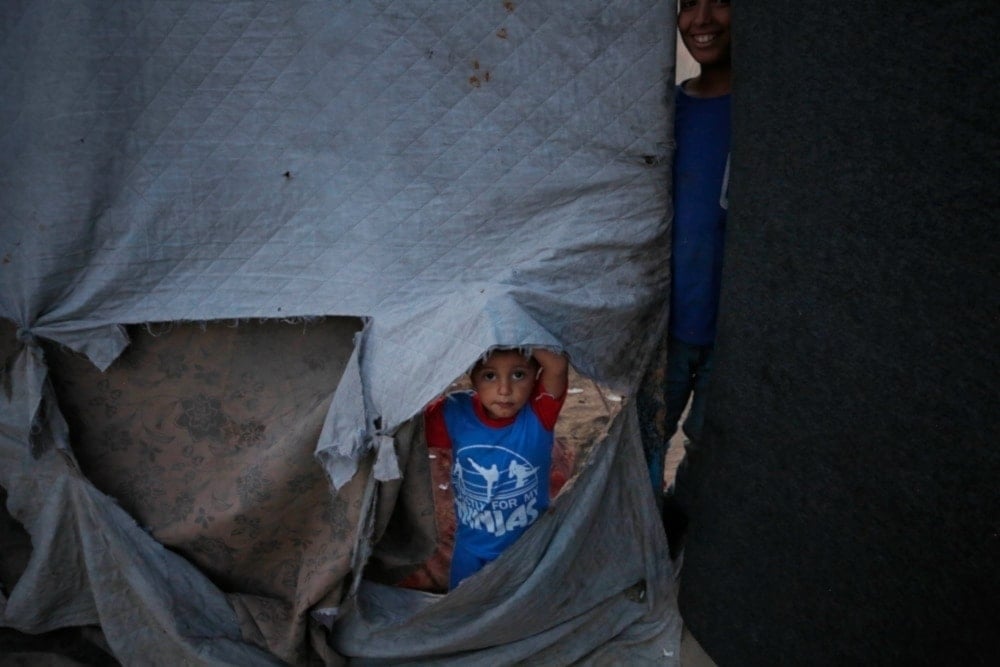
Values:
[(435, 429), (546, 406)]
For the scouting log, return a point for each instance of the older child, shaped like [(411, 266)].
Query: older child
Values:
[(702, 131), (501, 436)]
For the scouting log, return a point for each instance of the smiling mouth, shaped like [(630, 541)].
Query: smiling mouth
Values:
[(703, 40)]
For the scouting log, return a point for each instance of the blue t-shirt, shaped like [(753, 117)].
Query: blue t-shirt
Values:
[(702, 129), (500, 475)]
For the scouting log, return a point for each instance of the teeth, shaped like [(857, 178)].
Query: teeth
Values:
[(703, 39)]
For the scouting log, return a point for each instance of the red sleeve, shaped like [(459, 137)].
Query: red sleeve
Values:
[(435, 430), (546, 406)]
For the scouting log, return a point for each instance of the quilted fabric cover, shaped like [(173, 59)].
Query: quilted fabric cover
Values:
[(459, 175)]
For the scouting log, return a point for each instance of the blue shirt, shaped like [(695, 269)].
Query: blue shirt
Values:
[(702, 130), (500, 475)]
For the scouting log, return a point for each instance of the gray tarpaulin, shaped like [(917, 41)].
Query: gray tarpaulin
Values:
[(456, 174)]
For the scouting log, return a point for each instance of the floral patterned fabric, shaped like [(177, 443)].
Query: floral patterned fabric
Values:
[(205, 434)]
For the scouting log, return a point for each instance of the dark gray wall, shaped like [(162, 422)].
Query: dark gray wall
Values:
[(846, 507)]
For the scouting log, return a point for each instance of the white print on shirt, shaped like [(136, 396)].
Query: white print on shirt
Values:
[(520, 472), (491, 475), (495, 498)]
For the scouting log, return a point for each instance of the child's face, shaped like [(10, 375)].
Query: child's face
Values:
[(704, 29), (504, 383)]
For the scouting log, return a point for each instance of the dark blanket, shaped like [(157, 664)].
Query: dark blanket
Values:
[(845, 507)]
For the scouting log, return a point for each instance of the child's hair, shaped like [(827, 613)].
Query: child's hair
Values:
[(523, 351)]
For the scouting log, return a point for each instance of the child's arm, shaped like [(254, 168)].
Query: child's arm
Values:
[(554, 374), (435, 430)]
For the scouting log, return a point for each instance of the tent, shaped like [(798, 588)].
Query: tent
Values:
[(244, 243)]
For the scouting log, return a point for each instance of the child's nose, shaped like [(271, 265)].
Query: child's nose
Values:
[(504, 387)]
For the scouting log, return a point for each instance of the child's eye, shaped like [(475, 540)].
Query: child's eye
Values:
[(489, 375), (519, 375)]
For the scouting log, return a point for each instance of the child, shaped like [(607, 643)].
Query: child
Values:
[(702, 131), (501, 437), (702, 134)]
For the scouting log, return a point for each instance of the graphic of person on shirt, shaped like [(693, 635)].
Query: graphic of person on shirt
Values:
[(501, 436)]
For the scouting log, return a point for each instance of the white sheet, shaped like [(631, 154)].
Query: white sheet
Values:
[(461, 174)]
